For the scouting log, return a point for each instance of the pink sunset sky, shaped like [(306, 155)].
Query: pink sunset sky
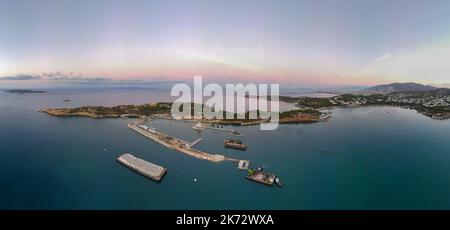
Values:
[(320, 43)]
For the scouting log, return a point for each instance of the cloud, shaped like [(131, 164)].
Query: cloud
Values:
[(20, 77), (71, 77), (373, 66), (53, 76), (382, 58)]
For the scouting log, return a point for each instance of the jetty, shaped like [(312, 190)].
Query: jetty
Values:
[(175, 143), (145, 168), (126, 116), (220, 128), (194, 142)]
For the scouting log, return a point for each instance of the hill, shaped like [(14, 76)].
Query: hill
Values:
[(400, 88)]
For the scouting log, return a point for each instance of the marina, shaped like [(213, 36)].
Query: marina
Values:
[(176, 144), (186, 148), (145, 168), (221, 128)]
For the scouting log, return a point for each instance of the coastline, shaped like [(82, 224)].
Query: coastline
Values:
[(288, 117)]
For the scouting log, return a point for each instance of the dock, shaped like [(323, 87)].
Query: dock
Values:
[(126, 116), (220, 129), (194, 143), (174, 143), (243, 164), (145, 168), (232, 131)]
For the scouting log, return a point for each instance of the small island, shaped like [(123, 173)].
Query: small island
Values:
[(163, 109), (24, 91)]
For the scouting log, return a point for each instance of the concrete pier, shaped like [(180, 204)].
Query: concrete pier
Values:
[(175, 143), (195, 142)]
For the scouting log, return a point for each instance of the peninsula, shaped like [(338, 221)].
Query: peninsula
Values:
[(163, 108)]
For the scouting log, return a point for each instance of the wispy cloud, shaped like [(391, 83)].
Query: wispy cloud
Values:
[(382, 58), (20, 77), (71, 77), (58, 76), (374, 65)]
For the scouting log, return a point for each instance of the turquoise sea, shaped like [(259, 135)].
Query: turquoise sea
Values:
[(362, 158)]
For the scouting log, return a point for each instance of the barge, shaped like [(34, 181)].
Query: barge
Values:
[(235, 144), (261, 177), (145, 168)]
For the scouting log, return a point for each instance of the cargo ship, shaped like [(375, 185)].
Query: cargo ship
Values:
[(235, 144)]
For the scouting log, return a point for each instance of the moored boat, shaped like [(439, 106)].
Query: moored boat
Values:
[(199, 126), (260, 177), (278, 182), (235, 144)]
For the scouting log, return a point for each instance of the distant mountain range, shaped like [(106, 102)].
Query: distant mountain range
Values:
[(401, 88)]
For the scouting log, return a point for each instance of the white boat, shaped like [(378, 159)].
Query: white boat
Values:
[(199, 126), (278, 182)]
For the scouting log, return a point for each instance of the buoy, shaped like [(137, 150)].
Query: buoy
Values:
[(195, 179)]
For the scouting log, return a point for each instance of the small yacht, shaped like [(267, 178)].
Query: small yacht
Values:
[(278, 182), (199, 126)]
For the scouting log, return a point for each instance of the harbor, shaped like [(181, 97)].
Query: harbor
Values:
[(145, 168), (186, 147), (176, 144)]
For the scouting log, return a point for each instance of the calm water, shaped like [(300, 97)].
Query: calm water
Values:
[(365, 158)]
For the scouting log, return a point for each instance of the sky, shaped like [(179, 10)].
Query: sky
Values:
[(301, 43)]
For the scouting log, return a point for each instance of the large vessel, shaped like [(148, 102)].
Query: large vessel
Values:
[(143, 167), (261, 177), (235, 144)]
